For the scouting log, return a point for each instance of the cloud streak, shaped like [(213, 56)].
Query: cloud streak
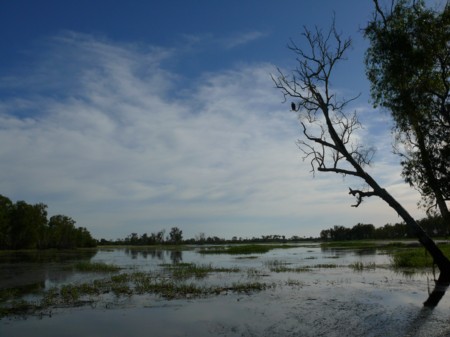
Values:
[(103, 132)]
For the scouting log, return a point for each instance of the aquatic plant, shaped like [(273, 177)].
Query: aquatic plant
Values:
[(277, 266), (127, 284), (325, 265), (351, 244), (360, 266), (243, 249), (181, 271), (416, 257), (411, 258)]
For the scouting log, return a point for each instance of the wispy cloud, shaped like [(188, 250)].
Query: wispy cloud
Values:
[(197, 43), (243, 39), (123, 145)]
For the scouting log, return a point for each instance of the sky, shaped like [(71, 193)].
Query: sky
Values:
[(136, 116)]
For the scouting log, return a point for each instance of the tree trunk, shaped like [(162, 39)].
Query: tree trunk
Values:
[(443, 263)]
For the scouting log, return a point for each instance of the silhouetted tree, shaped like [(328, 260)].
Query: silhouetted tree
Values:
[(175, 235), (6, 207), (28, 224)]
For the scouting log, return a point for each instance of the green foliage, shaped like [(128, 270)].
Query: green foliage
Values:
[(350, 244), (433, 225), (415, 257), (411, 258), (175, 236), (25, 226), (408, 65)]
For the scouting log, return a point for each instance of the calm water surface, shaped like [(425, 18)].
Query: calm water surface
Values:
[(321, 302)]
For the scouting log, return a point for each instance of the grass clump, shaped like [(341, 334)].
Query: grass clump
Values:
[(284, 269), (242, 249), (359, 266), (250, 287), (277, 266), (237, 250), (325, 266), (415, 257), (350, 244), (411, 258), (182, 271)]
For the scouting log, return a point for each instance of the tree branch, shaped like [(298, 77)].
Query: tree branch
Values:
[(360, 195)]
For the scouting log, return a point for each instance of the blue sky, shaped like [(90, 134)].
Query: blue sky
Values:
[(136, 116)]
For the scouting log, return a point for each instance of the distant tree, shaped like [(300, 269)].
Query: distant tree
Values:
[(200, 238), (84, 238), (159, 237), (325, 235), (28, 225), (6, 207), (362, 231), (175, 236), (144, 239), (132, 239), (329, 141), (435, 226), (63, 233)]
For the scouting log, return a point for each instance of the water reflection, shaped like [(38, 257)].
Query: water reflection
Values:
[(175, 256), (34, 270), (347, 251)]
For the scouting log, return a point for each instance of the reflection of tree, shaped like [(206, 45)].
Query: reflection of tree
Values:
[(158, 254), (176, 256), (422, 318), (133, 252), (28, 271)]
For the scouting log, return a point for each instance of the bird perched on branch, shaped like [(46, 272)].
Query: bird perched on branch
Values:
[(293, 107)]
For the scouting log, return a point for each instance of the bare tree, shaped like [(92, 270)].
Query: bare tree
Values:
[(329, 131)]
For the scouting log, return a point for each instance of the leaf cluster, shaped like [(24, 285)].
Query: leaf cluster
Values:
[(408, 64)]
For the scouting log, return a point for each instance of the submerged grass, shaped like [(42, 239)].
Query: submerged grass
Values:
[(277, 266), (359, 266), (169, 285), (187, 270), (285, 269), (243, 249)]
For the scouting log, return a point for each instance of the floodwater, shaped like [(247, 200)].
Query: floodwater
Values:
[(323, 301)]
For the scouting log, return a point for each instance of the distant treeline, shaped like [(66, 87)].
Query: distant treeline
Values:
[(434, 226), (176, 237), (25, 226)]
